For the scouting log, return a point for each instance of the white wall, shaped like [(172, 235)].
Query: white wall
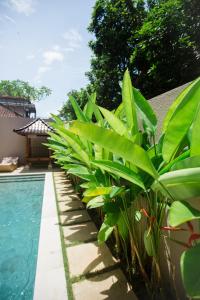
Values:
[(11, 143)]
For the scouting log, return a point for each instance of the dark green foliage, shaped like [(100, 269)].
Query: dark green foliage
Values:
[(158, 40), (167, 52), (113, 24), (148, 39), (22, 89)]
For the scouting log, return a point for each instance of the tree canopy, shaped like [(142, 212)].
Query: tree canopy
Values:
[(167, 47), (113, 23), (158, 40), (22, 89)]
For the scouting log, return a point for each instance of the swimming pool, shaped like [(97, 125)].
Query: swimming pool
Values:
[(21, 200)]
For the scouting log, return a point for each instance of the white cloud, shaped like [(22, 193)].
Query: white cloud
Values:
[(73, 38), (49, 57), (5, 18), (22, 6), (9, 19), (52, 56)]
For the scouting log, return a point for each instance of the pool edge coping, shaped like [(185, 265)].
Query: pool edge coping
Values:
[(50, 282)]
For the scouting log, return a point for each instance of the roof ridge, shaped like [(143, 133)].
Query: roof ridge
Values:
[(36, 128)]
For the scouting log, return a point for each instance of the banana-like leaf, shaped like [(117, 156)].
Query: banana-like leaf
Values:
[(97, 191), (97, 114), (181, 184), (119, 112), (129, 104), (145, 110), (120, 170), (75, 144), (79, 113), (114, 121), (117, 144), (188, 162), (190, 271), (174, 106), (181, 212), (181, 121), (96, 202), (56, 119), (122, 227), (195, 140), (89, 106), (81, 172), (104, 232), (178, 161)]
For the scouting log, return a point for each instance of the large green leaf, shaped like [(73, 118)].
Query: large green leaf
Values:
[(75, 144), (96, 202), (129, 104), (82, 172), (195, 142), (79, 113), (188, 162), (181, 184), (120, 170), (181, 121), (116, 144), (97, 191), (104, 232), (190, 271), (56, 119), (172, 165), (89, 106), (174, 106), (145, 110), (181, 212), (114, 121)]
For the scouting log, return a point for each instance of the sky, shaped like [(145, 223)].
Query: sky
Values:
[(45, 42)]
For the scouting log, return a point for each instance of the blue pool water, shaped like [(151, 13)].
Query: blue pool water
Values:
[(20, 215)]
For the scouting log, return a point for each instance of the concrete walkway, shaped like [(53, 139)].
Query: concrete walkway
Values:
[(93, 272)]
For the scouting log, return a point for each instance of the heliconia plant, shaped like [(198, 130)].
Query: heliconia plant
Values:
[(134, 180)]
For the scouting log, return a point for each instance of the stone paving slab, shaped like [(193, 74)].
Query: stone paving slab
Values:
[(61, 198), (74, 217), (63, 184), (110, 285), (70, 205), (65, 190), (67, 196), (96, 258), (79, 233)]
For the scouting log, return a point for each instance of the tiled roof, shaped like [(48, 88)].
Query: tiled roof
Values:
[(7, 113), (38, 127)]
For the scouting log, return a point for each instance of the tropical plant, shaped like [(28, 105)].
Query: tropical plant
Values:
[(134, 181)]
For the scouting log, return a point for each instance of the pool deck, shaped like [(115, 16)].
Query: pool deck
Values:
[(50, 282)]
